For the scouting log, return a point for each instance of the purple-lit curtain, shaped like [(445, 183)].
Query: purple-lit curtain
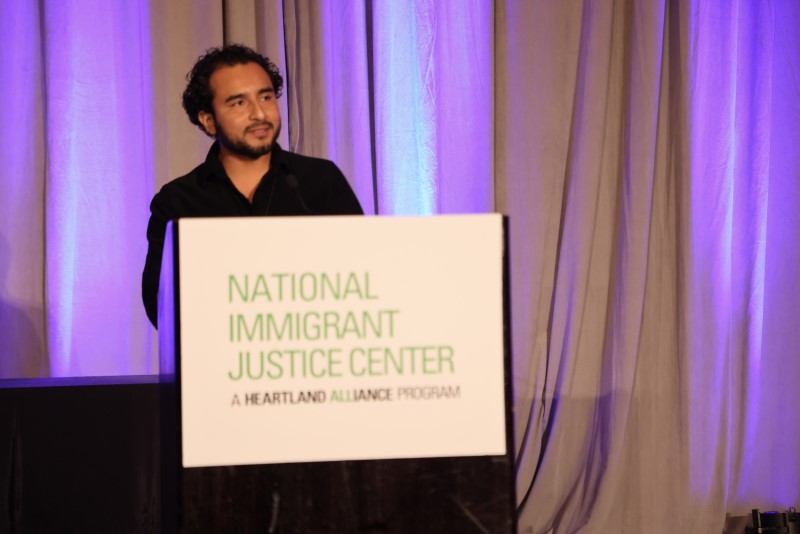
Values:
[(647, 154), (399, 94), (79, 154), (22, 268), (93, 127)]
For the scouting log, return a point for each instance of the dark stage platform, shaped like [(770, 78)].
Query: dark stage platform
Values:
[(84, 455)]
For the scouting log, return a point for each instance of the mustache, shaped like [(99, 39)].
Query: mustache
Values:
[(257, 125)]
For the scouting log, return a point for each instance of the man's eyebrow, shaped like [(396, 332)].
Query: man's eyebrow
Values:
[(237, 96)]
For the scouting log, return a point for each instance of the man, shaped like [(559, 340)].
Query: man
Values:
[(232, 96)]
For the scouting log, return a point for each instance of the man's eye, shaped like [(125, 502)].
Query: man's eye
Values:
[(237, 102), (268, 96)]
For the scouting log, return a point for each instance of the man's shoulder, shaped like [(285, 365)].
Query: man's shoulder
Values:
[(192, 176), (182, 196), (190, 180), (323, 184), (303, 165)]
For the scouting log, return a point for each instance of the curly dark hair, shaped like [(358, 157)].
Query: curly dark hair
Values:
[(197, 96)]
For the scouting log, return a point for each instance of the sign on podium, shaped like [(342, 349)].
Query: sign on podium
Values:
[(319, 339)]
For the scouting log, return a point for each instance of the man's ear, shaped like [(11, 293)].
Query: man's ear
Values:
[(207, 120)]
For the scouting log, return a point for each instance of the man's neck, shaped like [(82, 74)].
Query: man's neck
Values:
[(244, 172)]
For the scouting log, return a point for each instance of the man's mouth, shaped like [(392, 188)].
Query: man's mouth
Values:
[(259, 129)]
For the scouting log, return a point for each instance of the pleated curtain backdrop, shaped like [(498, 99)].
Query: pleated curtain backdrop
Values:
[(646, 152)]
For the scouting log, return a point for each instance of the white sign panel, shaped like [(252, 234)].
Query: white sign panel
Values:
[(340, 338)]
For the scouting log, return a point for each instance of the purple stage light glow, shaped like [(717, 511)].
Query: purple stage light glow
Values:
[(99, 182), (433, 106)]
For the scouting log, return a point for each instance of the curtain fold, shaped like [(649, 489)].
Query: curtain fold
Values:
[(433, 106), (22, 323), (646, 404), (99, 162)]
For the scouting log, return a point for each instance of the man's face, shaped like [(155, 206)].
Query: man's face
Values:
[(246, 120)]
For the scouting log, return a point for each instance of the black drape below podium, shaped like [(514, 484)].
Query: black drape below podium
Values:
[(83, 455)]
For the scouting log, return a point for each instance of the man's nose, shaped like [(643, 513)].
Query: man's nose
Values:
[(257, 112)]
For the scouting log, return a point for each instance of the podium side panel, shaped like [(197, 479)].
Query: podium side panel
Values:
[(169, 384)]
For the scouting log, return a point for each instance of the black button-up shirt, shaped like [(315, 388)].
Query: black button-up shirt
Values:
[(294, 185)]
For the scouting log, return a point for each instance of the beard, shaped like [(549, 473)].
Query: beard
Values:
[(243, 148)]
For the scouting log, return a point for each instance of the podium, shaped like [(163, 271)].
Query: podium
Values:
[(336, 374)]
